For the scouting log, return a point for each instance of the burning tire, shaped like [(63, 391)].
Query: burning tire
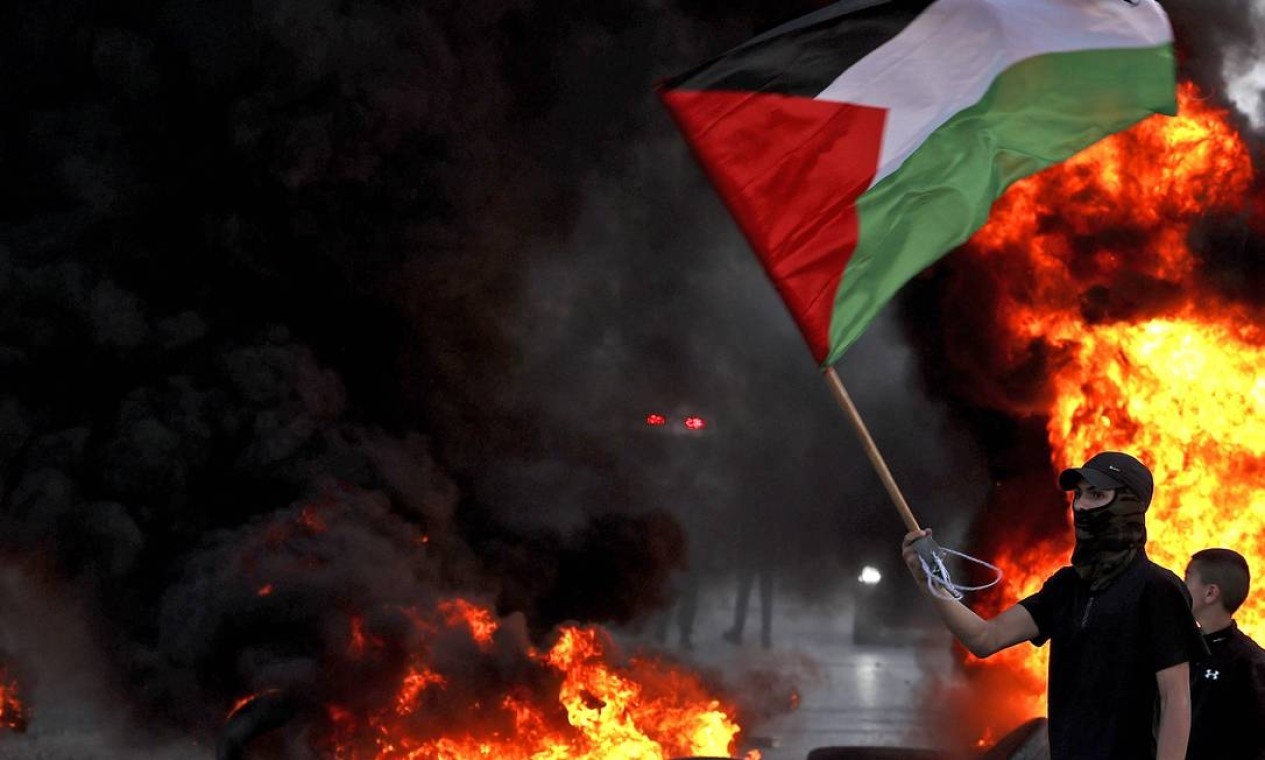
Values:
[(258, 716), (1028, 742)]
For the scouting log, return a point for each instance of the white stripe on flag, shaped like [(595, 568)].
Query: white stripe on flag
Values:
[(949, 56)]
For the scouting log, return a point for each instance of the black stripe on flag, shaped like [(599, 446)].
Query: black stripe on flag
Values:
[(802, 57)]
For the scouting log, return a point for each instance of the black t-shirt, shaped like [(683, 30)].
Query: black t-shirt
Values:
[(1105, 649), (1227, 697)]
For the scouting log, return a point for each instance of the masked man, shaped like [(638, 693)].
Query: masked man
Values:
[(1120, 628)]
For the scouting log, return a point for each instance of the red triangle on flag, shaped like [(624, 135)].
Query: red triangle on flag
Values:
[(790, 169)]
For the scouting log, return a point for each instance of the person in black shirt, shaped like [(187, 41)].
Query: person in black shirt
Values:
[(1227, 688), (1120, 627)]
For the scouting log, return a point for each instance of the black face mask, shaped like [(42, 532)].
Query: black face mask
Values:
[(1108, 538)]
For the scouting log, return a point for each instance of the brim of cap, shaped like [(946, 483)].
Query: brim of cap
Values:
[(1069, 479)]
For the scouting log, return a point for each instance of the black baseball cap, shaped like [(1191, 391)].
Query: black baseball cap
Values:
[(1111, 469)]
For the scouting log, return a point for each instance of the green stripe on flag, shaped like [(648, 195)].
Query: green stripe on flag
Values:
[(1036, 113)]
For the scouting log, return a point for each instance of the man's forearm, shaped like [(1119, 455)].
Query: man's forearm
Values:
[(1174, 731), (964, 624)]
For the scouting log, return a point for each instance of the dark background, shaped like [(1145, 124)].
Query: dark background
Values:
[(428, 266)]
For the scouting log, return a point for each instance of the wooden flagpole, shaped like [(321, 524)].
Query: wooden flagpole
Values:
[(871, 450)]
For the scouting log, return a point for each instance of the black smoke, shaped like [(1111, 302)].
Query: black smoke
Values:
[(422, 268), (310, 311), (1217, 44)]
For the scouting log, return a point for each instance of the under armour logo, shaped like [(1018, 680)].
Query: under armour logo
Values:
[(1211, 674)]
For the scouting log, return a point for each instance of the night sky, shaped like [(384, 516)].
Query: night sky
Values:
[(428, 266)]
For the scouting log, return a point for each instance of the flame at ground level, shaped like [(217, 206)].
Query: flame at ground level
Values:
[(13, 714), (599, 709)]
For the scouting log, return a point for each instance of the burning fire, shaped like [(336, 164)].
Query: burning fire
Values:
[(244, 701), (598, 710), (1145, 361), (13, 714), (478, 619)]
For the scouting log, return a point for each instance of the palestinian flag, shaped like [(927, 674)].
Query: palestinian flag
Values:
[(858, 144)]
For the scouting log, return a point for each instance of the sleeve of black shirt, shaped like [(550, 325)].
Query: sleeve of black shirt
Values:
[(1256, 678), (1166, 614), (1042, 606)]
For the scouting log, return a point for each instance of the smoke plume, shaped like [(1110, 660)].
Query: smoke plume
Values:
[(363, 303)]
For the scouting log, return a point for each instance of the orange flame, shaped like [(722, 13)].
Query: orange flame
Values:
[(478, 619), (419, 679), (360, 641), (243, 701), (13, 713), (599, 710), (1180, 387)]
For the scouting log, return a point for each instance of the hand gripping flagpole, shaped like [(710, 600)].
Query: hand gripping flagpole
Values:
[(930, 554)]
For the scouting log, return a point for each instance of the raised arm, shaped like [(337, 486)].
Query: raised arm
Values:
[(981, 637)]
